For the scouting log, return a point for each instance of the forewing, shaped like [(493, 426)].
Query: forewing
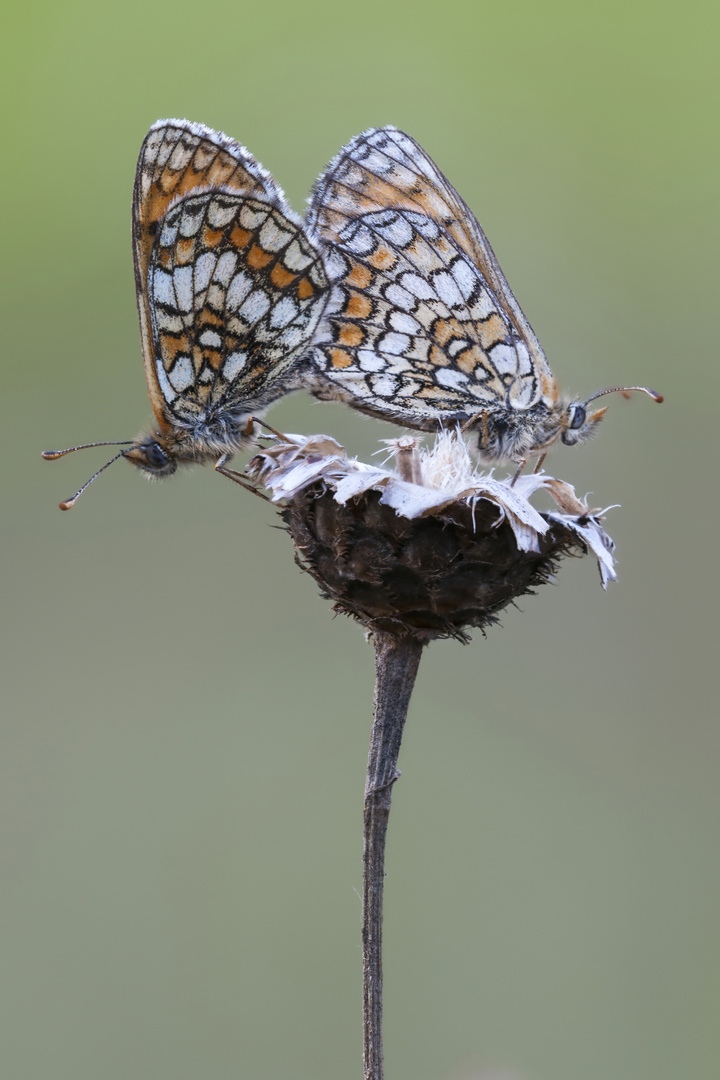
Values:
[(385, 169), (235, 292), (176, 158)]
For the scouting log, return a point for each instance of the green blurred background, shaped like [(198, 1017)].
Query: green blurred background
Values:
[(185, 725)]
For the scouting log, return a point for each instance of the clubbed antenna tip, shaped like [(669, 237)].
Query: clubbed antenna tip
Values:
[(625, 391), (52, 455)]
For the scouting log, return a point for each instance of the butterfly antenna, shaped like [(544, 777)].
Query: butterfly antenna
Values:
[(69, 503), (625, 390), (53, 455)]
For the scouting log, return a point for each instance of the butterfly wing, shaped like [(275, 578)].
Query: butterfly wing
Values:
[(422, 324), (229, 288)]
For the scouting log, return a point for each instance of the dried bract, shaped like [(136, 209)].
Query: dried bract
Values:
[(431, 558)]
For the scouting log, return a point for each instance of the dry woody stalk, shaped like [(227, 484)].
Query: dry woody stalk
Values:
[(430, 549)]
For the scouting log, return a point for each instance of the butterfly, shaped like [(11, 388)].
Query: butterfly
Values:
[(230, 290), (421, 327)]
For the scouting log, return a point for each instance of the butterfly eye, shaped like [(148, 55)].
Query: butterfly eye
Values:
[(155, 456), (576, 416), (152, 458)]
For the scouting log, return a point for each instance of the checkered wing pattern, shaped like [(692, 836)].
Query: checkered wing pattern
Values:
[(230, 289), (421, 324)]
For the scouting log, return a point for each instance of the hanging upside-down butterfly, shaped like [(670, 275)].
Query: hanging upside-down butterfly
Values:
[(421, 327), (229, 289)]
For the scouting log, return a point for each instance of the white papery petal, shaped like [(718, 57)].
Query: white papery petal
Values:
[(449, 478), (601, 545)]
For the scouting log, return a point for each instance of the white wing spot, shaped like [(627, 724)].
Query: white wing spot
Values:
[(165, 321), (317, 275), (403, 323), (284, 312), (483, 306), (447, 289), (183, 282), (395, 344), (162, 149), (220, 214), (292, 336), (169, 234), (400, 297), (204, 267), (152, 143), (272, 238), (335, 265), (252, 219), (455, 380), (256, 305), (525, 366), (163, 291), (234, 364), (377, 162), (418, 286), (225, 267), (312, 309), (406, 144), (182, 374), (456, 346), (409, 388), (398, 232), (240, 286), (211, 338), (179, 156), (361, 242), (389, 147), (465, 277), (504, 359), (295, 258), (427, 228), (370, 361), (190, 220), (384, 385), (167, 391)]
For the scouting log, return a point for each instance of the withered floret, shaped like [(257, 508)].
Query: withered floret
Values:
[(427, 557)]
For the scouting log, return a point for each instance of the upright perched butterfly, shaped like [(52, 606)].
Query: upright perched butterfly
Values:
[(229, 290), (422, 327)]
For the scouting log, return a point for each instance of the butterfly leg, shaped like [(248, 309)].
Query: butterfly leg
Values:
[(236, 477), (520, 466), (256, 420), (539, 463), (484, 436), (473, 420)]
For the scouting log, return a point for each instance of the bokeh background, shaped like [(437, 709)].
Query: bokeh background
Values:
[(184, 723)]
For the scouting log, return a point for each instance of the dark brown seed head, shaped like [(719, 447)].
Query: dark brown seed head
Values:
[(429, 577)]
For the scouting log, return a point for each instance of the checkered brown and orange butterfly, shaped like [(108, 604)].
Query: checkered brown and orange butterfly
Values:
[(229, 289), (388, 297), (421, 327)]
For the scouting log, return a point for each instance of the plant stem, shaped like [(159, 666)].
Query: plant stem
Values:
[(396, 665)]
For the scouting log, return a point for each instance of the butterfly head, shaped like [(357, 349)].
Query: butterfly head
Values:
[(153, 456), (512, 435), (578, 425)]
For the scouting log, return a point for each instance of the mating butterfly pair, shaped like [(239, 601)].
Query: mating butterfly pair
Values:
[(388, 296)]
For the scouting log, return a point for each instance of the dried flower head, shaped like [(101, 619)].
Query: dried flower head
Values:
[(430, 548)]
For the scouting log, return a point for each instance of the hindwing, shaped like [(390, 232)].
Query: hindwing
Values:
[(229, 287), (421, 324)]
